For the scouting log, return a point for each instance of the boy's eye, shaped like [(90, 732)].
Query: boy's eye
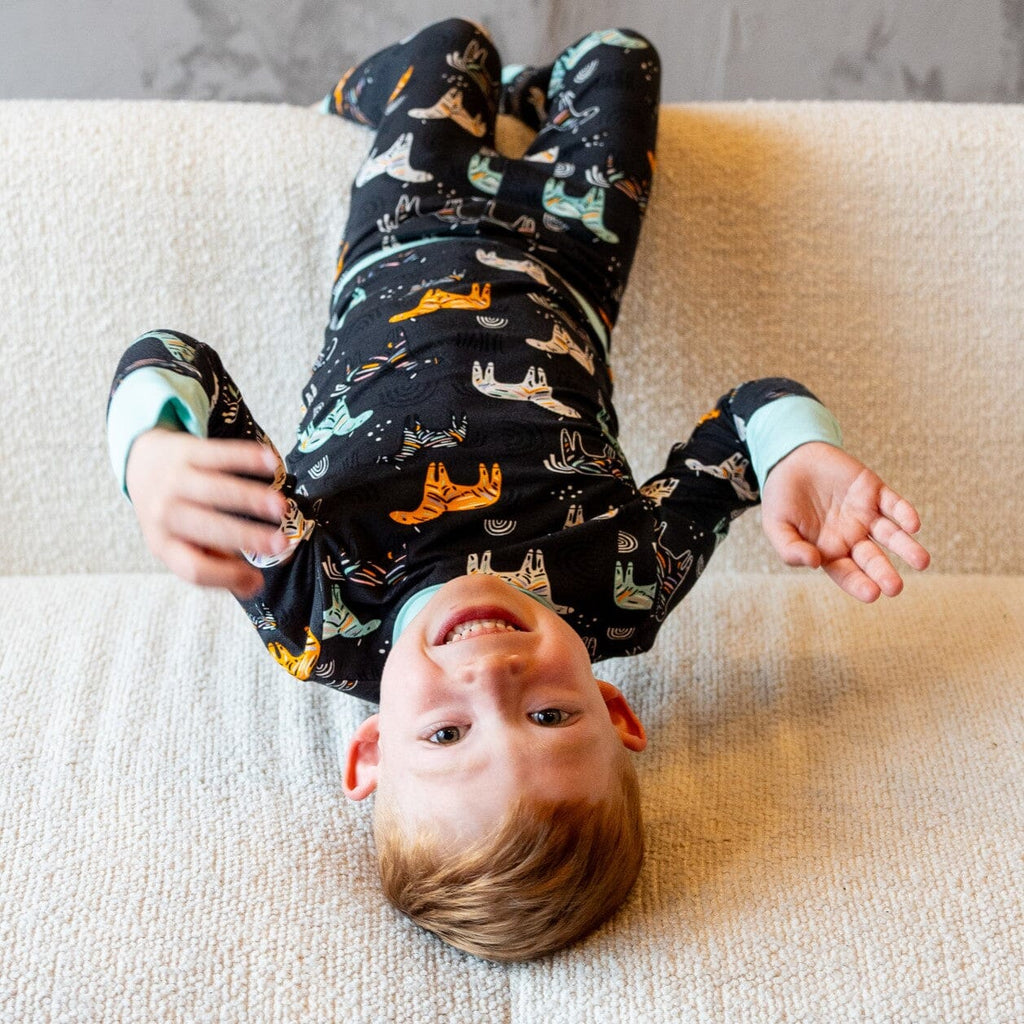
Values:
[(550, 716), (448, 734)]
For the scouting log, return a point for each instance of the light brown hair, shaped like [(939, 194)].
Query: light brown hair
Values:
[(547, 876)]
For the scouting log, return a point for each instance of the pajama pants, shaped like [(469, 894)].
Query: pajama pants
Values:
[(575, 198)]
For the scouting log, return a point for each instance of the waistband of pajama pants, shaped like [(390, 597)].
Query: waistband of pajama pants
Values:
[(378, 255)]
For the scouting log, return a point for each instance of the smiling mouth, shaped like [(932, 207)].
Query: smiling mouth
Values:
[(470, 623), (479, 627)]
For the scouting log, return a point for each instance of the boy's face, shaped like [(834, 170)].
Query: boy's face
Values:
[(488, 696)]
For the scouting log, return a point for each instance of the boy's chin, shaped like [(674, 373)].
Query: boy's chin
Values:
[(479, 583)]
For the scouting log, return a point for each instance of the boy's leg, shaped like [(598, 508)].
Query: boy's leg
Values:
[(432, 100), (594, 158)]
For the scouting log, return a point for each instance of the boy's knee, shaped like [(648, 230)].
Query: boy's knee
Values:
[(638, 41), (619, 51)]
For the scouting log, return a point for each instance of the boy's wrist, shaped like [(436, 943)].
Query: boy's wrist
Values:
[(780, 427), (811, 451), (147, 398), (137, 455)]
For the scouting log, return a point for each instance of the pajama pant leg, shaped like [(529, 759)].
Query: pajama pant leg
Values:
[(590, 168), (432, 100), (581, 189)]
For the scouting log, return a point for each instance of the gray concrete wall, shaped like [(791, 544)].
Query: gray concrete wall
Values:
[(292, 50)]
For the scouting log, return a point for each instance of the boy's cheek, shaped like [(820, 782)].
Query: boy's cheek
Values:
[(405, 671)]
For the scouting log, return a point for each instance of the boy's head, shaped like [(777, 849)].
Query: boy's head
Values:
[(502, 769)]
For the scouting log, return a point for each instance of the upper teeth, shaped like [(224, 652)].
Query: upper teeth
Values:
[(467, 629)]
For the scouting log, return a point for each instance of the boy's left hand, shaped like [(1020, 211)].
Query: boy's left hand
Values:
[(821, 507)]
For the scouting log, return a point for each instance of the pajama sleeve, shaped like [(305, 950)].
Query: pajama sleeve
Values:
[(717, 474), (168, 379)]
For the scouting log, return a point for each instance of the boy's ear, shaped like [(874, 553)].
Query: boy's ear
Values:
[(623, 717), (362, 760)]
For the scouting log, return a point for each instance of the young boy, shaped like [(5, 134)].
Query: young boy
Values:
[(457, 536)]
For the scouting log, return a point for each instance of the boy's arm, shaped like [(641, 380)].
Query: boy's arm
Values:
[(199, 500), (771, 441), (821, 507), (717, 472), (715, 475)]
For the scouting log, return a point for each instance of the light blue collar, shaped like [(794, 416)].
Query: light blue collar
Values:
[(412, 608), (415, 604)]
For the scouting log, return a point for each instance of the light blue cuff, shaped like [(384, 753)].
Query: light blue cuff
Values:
[(151, 397), (780, 426)]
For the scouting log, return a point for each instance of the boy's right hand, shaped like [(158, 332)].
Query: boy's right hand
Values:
[(190, 495)]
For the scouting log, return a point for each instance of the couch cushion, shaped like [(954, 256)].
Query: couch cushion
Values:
[(871, 250), (832, 794)]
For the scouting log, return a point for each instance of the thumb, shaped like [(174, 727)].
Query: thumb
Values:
[(790, 546)]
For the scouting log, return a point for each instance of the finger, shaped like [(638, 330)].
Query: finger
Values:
[(211, 569), (901, 544), (899, 510), (249, 458), (851, 579), (874, 563), (229, 493), (226, 534), (790, 546)]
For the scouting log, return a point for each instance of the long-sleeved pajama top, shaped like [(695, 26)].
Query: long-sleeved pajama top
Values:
[(459, 417)]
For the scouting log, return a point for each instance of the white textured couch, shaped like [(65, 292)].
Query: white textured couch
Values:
[(834, 792)]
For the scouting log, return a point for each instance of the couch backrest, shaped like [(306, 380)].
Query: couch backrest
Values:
[(873, 251)]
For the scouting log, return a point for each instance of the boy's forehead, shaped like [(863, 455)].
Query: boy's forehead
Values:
[(467, 806)]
